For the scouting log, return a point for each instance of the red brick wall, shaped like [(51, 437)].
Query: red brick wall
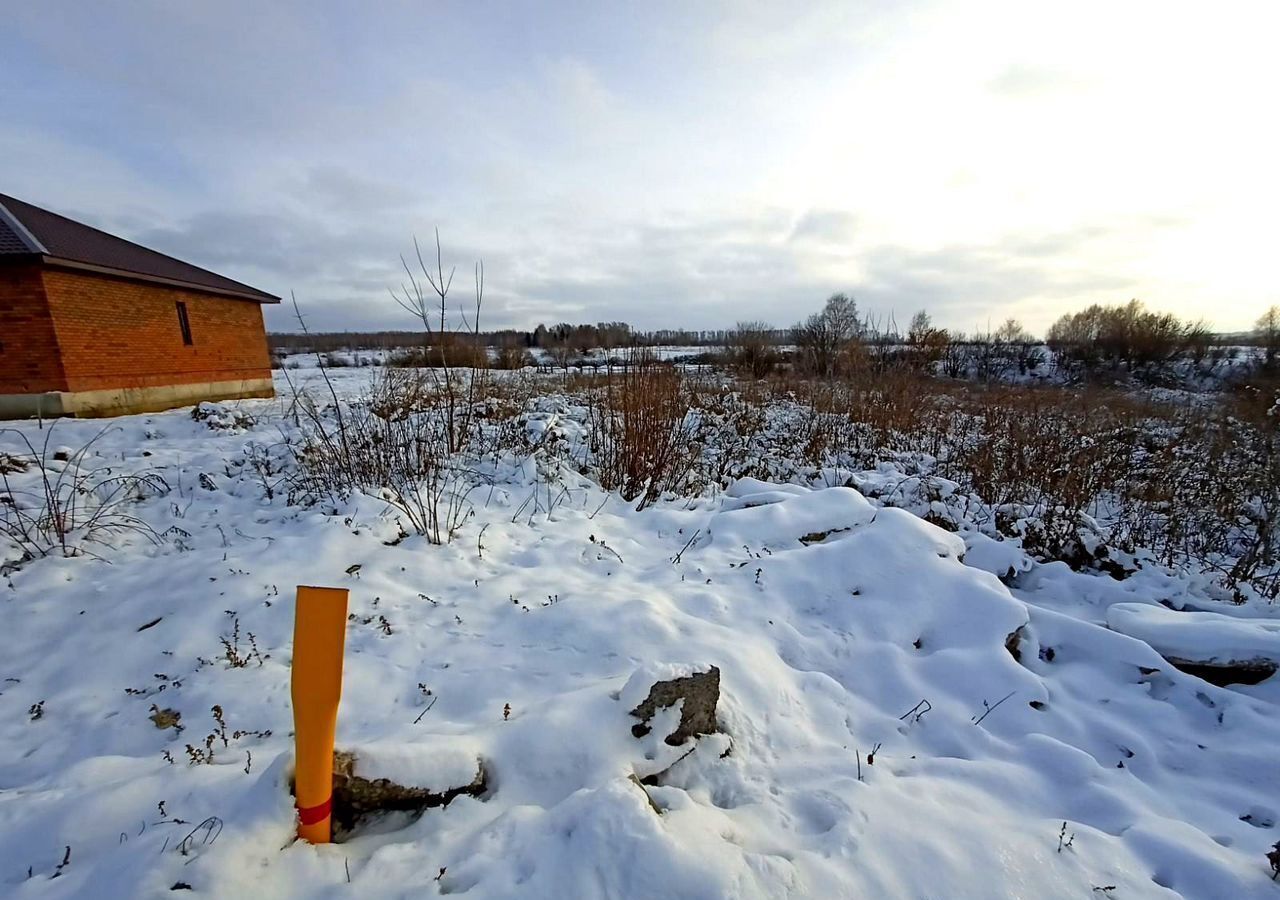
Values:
[(116, 333), (29, 360)]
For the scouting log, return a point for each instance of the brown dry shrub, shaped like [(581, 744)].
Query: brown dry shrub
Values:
[(750, 351), (514, 358), (641, 438), (450, 350)]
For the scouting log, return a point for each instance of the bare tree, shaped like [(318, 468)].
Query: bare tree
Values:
[(413, 297), (561, 353), (613, 336), (996, 354), (749, 349), (1018, 345), (1267, 331), (926, 345), (823, 338)]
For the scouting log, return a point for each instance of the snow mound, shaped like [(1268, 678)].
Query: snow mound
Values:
[(1004, 559), (437, 764), (761, 515), (1206, 637)]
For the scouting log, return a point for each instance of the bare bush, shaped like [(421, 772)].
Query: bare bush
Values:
[(412, 440), (750, 351), (512, 356), (956, 357), (1043, 459), (641, 435), (1089, 476), (1209, 494), (70, 506), (397, 444), (446, 351)]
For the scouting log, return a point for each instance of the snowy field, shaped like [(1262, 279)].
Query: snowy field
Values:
[(895, 720), (1188, 377), (579, 361)]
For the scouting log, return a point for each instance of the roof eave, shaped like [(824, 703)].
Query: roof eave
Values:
[(24, 234), (250, 294)]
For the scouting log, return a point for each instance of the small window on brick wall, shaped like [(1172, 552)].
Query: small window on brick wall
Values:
[(184, 323)]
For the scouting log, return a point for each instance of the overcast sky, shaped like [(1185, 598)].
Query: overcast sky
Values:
[(671, 165)]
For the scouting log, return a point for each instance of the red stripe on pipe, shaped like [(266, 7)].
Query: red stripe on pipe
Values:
[(310, 815)]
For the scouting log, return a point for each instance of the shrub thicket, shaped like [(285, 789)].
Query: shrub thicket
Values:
[(1127, 335)]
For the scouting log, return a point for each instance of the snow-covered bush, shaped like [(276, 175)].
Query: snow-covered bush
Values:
[(64, 502), (408, 442), (222, 417)]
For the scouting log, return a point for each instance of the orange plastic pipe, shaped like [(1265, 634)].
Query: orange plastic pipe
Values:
[(319, 633)]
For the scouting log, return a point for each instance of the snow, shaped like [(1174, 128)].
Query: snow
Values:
[(1004, 559), (440, 763), (830, 616), (771, 517), (1207, 637)]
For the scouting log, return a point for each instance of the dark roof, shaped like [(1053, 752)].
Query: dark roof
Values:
[(29, 231)]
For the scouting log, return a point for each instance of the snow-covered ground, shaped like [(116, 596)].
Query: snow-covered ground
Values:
[(592, 359), (880, 739), (1186, 380)]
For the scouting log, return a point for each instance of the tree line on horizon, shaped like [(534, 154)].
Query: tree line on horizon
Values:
[(841, 339)]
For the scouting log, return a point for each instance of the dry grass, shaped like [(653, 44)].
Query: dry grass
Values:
[(1088, 474)]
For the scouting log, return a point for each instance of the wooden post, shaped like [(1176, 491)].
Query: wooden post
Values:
[(319, 633)]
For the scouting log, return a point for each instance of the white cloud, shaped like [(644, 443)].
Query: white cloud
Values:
[(675, 166)]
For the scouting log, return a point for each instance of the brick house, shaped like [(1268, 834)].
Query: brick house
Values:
[(94, 325)]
